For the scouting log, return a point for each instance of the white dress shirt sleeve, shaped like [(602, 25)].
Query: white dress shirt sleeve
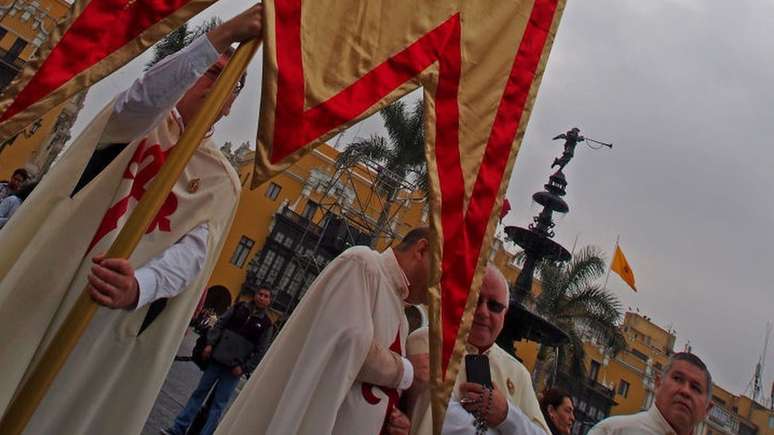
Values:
[(152, 96), (408, 375), (460, 422), (135, 112), (516, 422), (168, 274)]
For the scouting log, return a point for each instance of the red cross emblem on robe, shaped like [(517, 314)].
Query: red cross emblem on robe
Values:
[(142, 168), (392, 393)]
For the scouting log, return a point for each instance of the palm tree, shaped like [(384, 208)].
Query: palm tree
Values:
[(178, 39), (573, 300), (401, 156)]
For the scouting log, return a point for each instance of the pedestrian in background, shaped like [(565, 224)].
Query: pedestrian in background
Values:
[(682, 401), (234, 347), (18, 177), (12, 202), (558, 410)]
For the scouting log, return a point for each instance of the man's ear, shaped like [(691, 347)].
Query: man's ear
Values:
[(423, 246)]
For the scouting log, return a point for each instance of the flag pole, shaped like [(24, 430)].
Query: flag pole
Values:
[(610, 266), (33, 390)]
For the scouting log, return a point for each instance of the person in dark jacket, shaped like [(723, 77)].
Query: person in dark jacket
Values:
[(235, 346)]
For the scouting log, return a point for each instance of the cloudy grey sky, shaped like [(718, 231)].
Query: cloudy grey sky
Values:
[(685, 90)]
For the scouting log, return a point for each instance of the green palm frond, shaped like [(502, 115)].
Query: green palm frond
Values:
[(585, 267), (416, 123), (572, 299), (553, 284), (179, 39), (401, 156), (594, 300), (374, 148), (402, 153), (396, 123), (170, 44), (422, 180), (204, 28)]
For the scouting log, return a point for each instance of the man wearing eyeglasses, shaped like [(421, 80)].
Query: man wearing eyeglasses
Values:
[(113, 375), (510, 406)]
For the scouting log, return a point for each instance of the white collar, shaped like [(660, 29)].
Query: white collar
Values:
[(396, 273), (658, 418)]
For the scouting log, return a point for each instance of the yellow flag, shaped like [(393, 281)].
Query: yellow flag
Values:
[(621, 267)]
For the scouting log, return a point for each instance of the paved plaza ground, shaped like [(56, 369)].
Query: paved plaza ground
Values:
[(180, 383)]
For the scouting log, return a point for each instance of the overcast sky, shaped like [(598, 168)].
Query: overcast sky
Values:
[(684, 89)]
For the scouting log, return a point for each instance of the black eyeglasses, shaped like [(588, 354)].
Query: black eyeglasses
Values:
[(493, 305)]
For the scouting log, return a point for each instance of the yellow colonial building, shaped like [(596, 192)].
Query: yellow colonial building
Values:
[(737, 414), (288, 229), (24, 26), (625, 383)]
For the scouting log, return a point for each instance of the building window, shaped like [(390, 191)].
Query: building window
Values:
[(241, 251), (273, 190), (639, 355), (623, 388), (771, 422), (2, 33), (16, 49), (594, 372), (310, 210), (287, 275), (263, 268)]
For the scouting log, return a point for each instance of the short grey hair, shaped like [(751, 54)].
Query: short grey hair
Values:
[(491, 269), (412, 237), (694, 361)]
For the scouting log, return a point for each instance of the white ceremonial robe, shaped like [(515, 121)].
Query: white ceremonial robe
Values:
[(112, 377), (649, 422), (307, 381)]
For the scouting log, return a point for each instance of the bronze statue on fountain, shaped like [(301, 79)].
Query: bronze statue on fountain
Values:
[(536, 241)]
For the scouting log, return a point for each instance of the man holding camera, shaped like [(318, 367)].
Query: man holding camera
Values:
[(509, 405)]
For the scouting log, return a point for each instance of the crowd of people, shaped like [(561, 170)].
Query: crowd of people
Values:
[(352, 358), (345, 361)]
